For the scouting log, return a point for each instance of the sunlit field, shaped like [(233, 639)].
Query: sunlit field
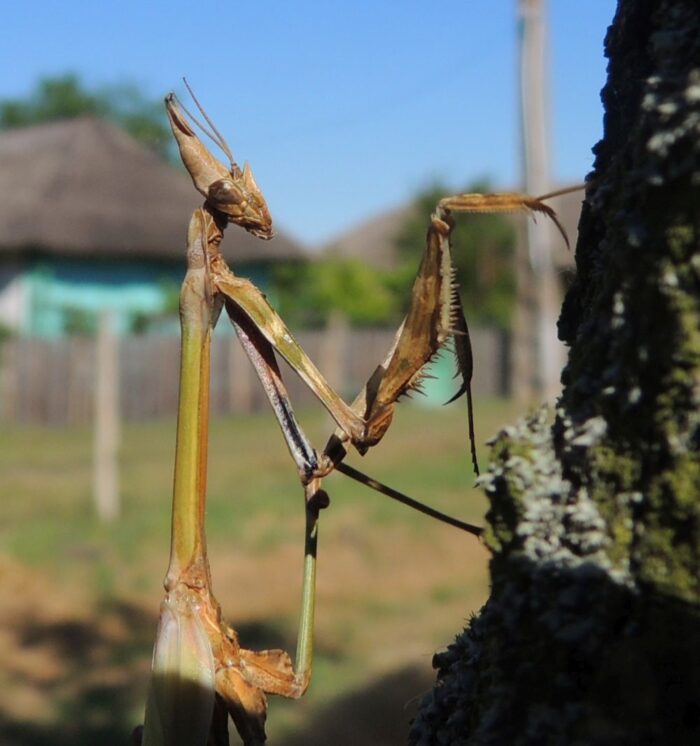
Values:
[(80, 599)]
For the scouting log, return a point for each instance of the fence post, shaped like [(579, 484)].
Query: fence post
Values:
[(106, 422), (334, 342), (240, 391), (8, 381)]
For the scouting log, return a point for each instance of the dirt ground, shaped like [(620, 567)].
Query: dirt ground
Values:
[(75, 668)]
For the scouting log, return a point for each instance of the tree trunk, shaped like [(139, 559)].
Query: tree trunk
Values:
[(592, 631)]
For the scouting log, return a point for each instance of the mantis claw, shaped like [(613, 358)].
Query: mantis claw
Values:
[(462, 390)]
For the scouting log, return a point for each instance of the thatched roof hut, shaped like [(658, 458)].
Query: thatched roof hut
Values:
[(83, 187), (90, 219), (374, 240)]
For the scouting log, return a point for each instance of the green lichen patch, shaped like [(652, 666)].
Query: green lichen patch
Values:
[(668, 550)]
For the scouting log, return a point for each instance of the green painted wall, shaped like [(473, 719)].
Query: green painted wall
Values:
[(66, 295)]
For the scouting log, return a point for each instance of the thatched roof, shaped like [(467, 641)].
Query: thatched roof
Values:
[(83, 187), (373, 241)]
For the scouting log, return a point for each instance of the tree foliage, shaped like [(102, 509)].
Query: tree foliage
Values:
[(66, 97), (308, 294), (483, 251)]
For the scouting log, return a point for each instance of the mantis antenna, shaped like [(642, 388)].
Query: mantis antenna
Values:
[(214, 135)]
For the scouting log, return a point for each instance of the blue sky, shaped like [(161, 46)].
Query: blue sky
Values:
[(343, 108)]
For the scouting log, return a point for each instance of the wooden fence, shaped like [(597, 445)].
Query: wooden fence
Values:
[(53, 381)]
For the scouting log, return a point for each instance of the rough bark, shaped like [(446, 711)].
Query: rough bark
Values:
[(592, 631)]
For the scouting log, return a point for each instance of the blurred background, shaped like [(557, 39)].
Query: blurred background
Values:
[(356, 118)]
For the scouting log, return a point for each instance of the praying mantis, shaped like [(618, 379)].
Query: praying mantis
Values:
[(201, 674)]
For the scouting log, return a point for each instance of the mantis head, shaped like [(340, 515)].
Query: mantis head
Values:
[(231, 191)]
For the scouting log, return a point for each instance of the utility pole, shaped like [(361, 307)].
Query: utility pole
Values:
[(538, 355)]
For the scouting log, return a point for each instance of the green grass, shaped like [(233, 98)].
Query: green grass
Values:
[(393, 585), (254, 498)]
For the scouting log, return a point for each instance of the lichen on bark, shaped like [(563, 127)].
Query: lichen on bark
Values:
[(591, 634)]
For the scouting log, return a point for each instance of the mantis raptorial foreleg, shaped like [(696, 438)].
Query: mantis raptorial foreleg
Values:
[(245, 298), (435, 315), (262, 356)]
